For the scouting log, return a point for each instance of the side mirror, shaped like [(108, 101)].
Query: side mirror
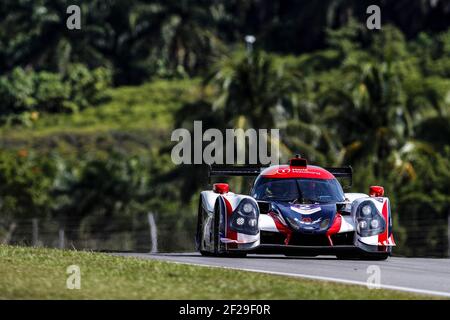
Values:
[(221, 188), (376, 191)]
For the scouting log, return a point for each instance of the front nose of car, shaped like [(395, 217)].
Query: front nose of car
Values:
[(305, 220)]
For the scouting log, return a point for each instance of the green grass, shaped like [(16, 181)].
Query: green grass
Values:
[(38, 273)]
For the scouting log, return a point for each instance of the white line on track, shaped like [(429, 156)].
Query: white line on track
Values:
[(320, 278)]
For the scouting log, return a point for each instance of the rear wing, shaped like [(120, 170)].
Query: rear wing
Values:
[(234, 171), (342, 172), (255, 170)]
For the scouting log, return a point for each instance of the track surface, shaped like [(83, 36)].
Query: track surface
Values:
[(420, 275)]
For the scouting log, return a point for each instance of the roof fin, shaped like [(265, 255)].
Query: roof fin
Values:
[(298, 161)]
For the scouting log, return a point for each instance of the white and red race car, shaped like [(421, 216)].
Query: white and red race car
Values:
[(295, 209)]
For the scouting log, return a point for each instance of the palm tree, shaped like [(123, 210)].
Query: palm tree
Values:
[(188, 33), (250, 89), (372, 117), (133, 35)]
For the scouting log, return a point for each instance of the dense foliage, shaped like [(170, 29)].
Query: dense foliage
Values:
[(25, 93), (142, 38), (340, 93)]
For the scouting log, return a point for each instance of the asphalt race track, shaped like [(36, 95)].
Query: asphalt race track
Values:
[(420, 275)]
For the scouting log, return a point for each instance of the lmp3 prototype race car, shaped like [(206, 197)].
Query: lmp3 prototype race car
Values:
[(296, 210)]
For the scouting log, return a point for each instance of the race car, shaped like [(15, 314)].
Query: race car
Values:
[(295, 209)]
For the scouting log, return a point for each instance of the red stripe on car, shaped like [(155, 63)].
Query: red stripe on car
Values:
[(230, 234), (281, 227), (336, 226), (383, 237)]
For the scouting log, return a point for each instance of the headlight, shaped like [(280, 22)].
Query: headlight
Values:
[(366, 210), (374, 224), (369, 221), (362, 224), (245, 218), (247, 208)]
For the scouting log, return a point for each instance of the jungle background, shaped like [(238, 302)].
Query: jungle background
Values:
[(86, 115)]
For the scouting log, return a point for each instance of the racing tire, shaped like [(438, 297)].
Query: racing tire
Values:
[(199, 235), (206, 253), (216, 230), (368, 256), (233, 254), (377, 257), (216, 244), (216, 236)]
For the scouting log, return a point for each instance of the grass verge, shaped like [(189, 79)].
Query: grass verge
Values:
[(39, 273)]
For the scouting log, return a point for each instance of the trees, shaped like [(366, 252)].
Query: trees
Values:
[(251, 89), (140, 39), (99, 190), (25, 93), (137, 38), (372, 107), (25, 182), (340, 94), (422, 199)]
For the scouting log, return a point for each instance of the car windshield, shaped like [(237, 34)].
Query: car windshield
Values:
[(298, 190)]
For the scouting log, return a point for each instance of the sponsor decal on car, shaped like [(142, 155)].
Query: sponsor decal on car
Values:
[(306, 209)]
